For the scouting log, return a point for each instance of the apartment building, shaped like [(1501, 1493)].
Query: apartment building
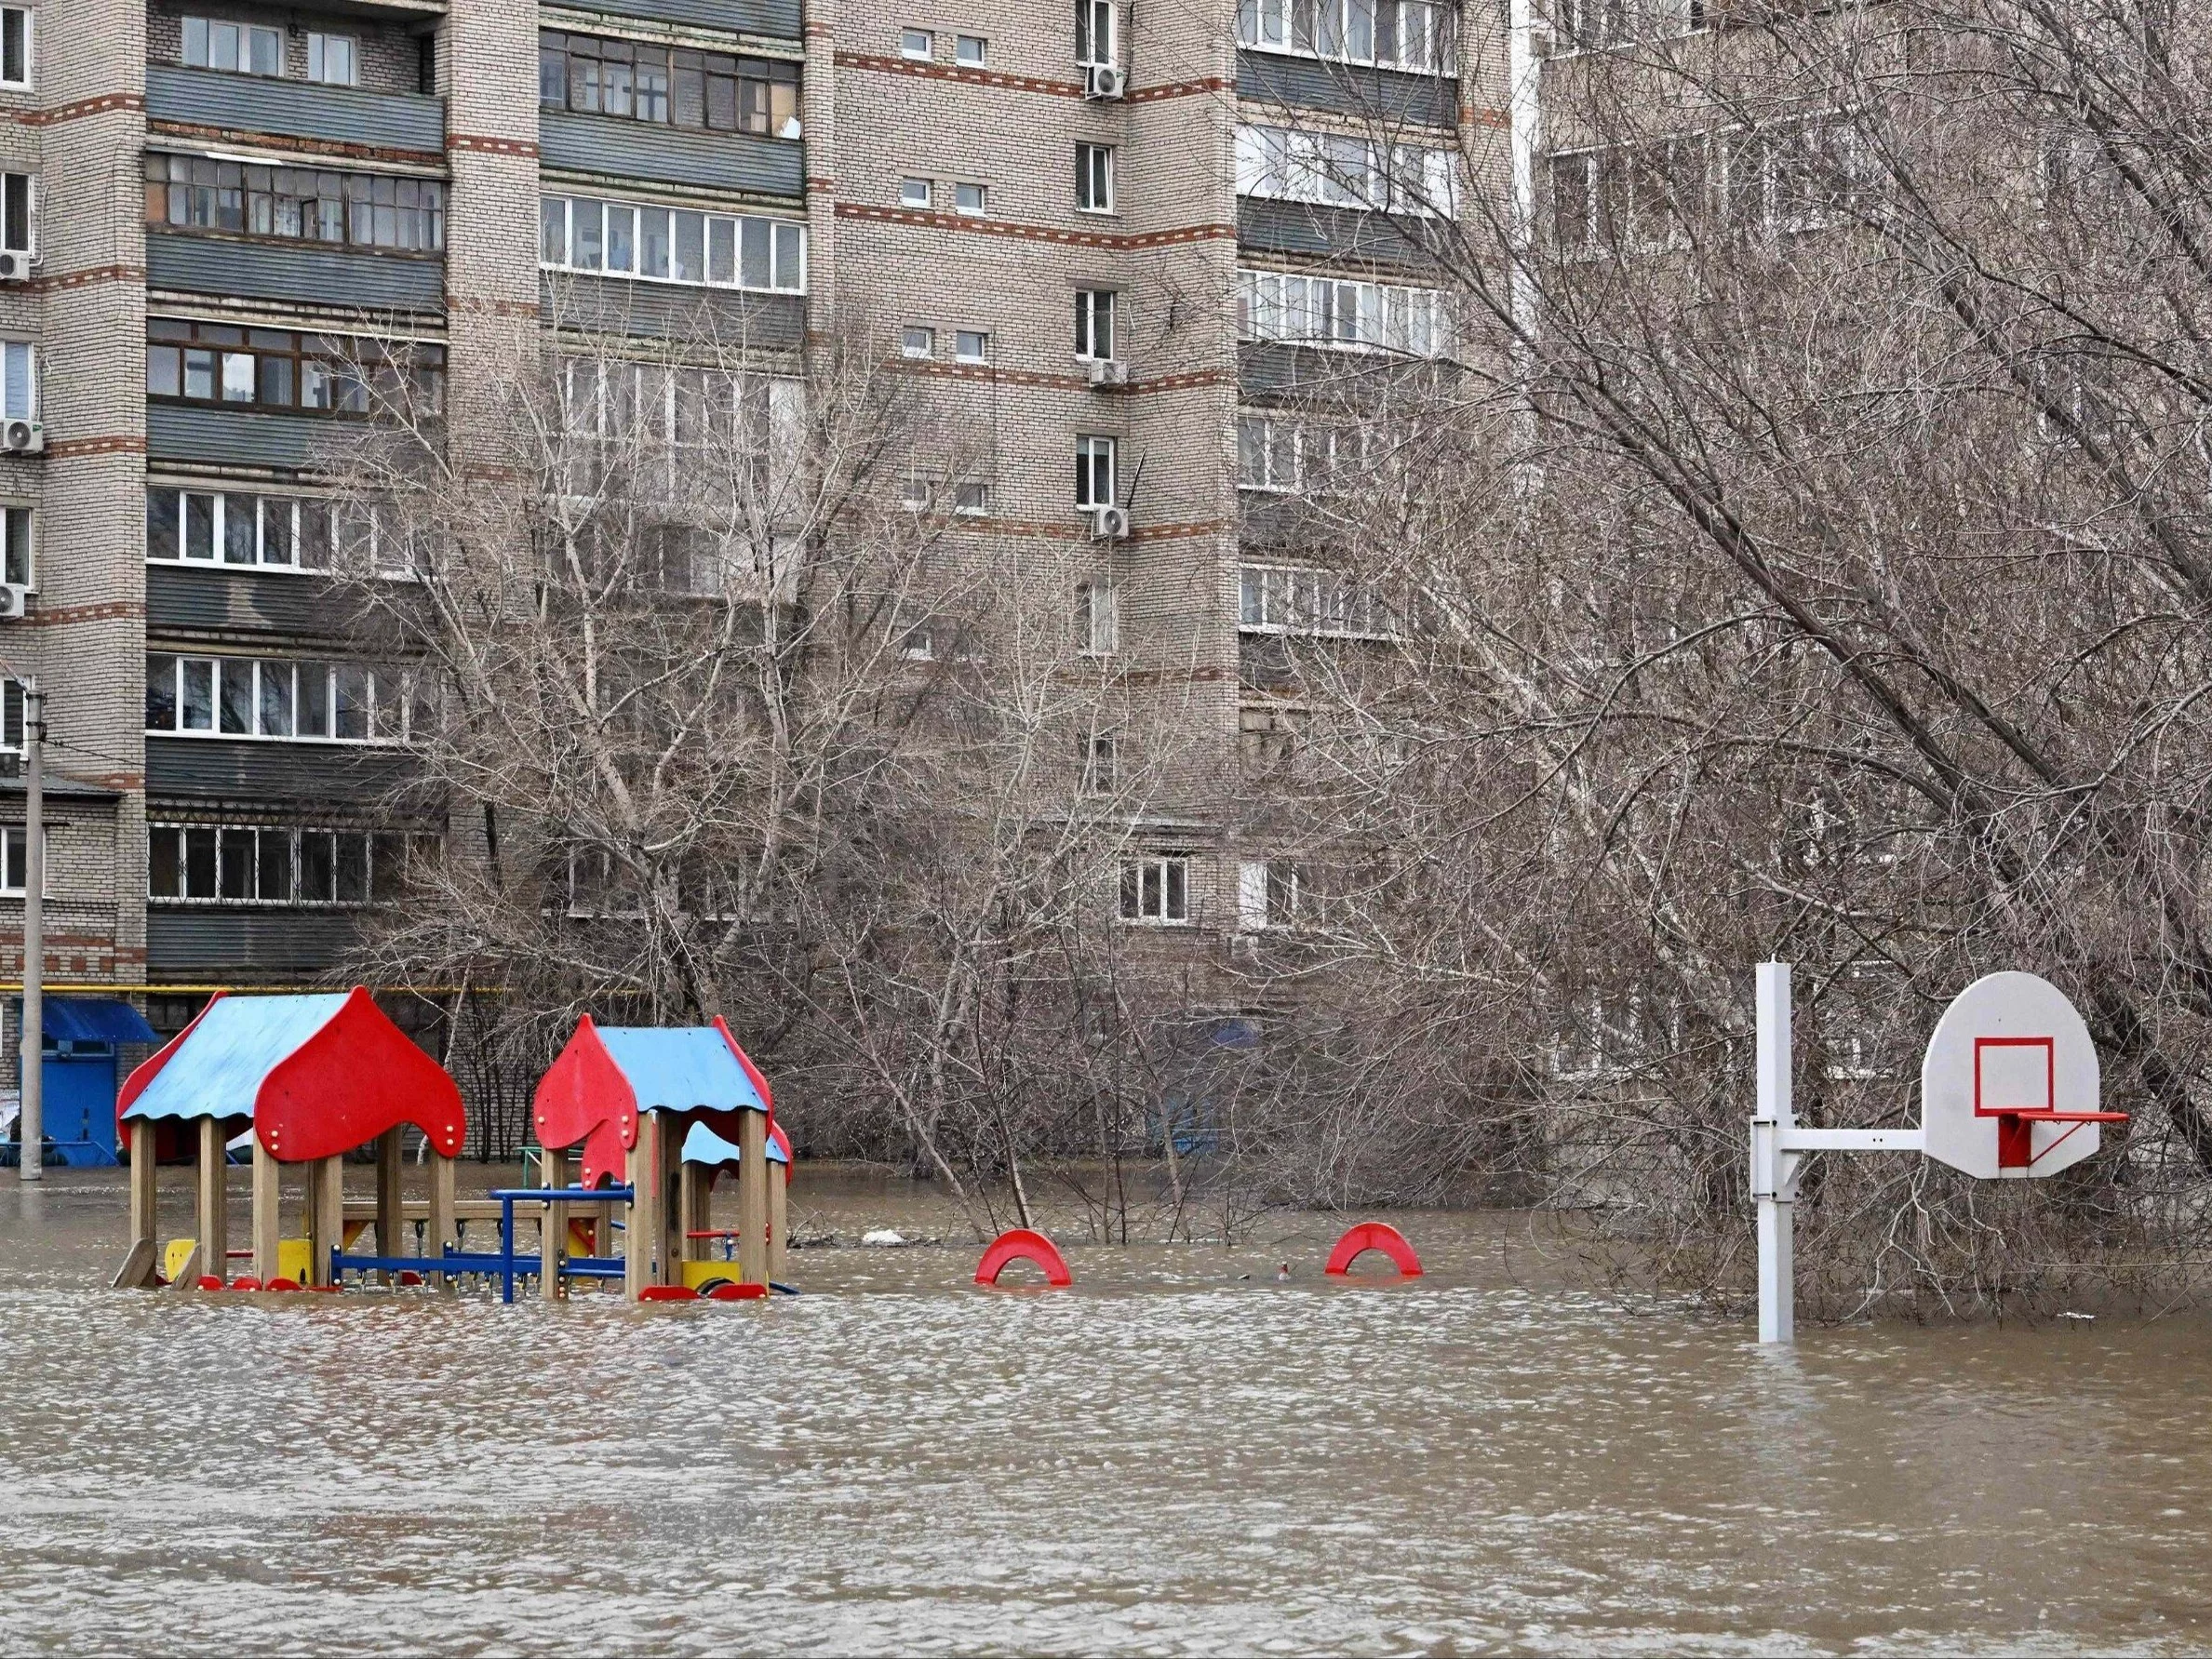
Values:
[(1117, 238)]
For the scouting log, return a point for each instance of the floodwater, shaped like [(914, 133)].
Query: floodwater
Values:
[(1173, 1457)]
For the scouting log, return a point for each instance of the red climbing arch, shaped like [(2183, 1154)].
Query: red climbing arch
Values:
[(1373, 1235), (1022, 1245)]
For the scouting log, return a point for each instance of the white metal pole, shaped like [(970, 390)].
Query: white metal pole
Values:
[(30, 1039), (1773, 1170)]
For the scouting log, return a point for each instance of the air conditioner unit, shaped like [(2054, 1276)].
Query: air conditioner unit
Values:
[(15, 265), (15, 599), (22, 437), (1106, 81), (1110, 524), (1109, 371)]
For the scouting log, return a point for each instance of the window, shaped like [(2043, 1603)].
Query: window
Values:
[(273, 865), (971, 51), (1324, 311), (243, 48), (918, 342), (1593, 25), (1339, 169), (1094, 471), (15, 862), (1299, 599), (969, 198), (11, 715), (276, 369), (16, 566), (245, 697), (672, 87), (330, 60), (1415, 35), (1094, 323), (1156, 889), (672, 244), (1093, 33), (296, 204), (1098, 763), (971, 501), (19, 213), (267, 531), (914, 192), (970, 345), (1094, 178), (19, 381), (1312, 457), (15, 45), (1793, 175), (913, 493), (1098, 622), (917, 44)]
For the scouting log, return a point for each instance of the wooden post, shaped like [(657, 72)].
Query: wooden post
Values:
[(143, 1262), (212, 1212), (325, 1215), (268, 1212), (647, 1205), (692, 1209), (441, 1209), (388, 1207), (779, 1218), (554, 1229), (752, 1198)]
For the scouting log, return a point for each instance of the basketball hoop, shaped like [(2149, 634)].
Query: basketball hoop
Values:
[(2009, 1090)]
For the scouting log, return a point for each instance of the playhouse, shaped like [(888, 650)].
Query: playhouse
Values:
[(627, 1101), (313, 1078)]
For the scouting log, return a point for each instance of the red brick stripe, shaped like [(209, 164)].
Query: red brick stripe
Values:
[(879, 64), (76, 279), (62, 616), (121, 444), (231, 138), (83, 107), (491, 146), (1069, 383), (1036, 233)]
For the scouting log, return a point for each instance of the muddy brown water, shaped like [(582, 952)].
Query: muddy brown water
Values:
[(1180, 1455)]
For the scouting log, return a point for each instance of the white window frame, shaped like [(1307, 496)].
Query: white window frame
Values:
[(983, 198), (917, 342), (786, 242), (1098, 618), (21, 22), (971, 500), (18, 545), (1091, 448), (1305, 600), (1101, 755), (1156, 889), (389, 693), (411, 843), (1088, 307), (1341, 169), (1350, 31), (340, 535), (20, 369), (1089, 14), (972, 345), (979, 59), (1301, 309), (1094, 178), (917, 45), (14, 853), (18, 224), (246, 33), (319, 57), (917, 192)]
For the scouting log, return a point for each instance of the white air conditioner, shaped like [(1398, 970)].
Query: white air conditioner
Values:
[(1106, 81), (1108, 524), (15, 599), (1109, 371), (15, 265), (22, 437)]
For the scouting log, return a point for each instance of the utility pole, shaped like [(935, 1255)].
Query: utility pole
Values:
[(31, 1038)]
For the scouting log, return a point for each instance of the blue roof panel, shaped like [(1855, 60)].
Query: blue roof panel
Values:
[(681, 1069), (218, 1069), (94, 1020), (704, 1147)]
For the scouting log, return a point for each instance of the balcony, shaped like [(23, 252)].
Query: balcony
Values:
[(306, 272), (766, 19), (607, 148), (244, 104)]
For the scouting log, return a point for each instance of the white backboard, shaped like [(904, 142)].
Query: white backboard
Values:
[(2009, 1044)]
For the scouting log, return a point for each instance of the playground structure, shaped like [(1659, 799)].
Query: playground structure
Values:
[(1019, 1244), (1376, 1236), (629, 1102), (314, 1078)]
